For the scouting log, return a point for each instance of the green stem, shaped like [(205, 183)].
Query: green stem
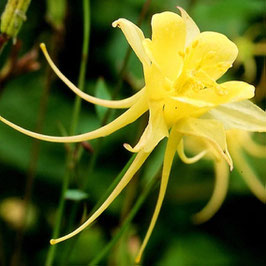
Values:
[(75, 117), (12, 19), (126, 223), (83, 65)]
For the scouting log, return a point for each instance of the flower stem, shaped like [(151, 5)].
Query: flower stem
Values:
[(83, 64), (12, 19), (75, 117)]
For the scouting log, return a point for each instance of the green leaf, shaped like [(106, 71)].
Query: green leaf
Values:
[(75, 195), (101, 92)]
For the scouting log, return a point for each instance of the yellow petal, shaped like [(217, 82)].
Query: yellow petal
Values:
[(251, 146), (154, 132), (135, 37), (210, 53), (172, 143), (240, 115), (126, 118), (139, 160), (168, 39), (218, 196), (184, 158), (211, 131), (192, 30), (125, 103), (233, 91)]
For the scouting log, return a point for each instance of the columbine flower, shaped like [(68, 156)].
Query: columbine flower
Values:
[(181, 67)]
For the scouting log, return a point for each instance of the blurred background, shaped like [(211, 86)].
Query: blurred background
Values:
[(32, 172)]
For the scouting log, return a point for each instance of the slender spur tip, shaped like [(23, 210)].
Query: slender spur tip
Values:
[(115, 23), (43, 46), (53, 242)]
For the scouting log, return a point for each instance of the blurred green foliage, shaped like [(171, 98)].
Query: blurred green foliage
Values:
[(230, 238)]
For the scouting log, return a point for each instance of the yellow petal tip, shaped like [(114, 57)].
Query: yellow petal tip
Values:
[(137, 260)]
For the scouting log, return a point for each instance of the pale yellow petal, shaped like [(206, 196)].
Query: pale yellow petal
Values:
[(135, 37), (218, 196), (192, 30), (211, 131), (126, 118), (154, 132), (232, 91), (168, 39), (184, 158), (195, 102), (242, 115), (137, 163), (251, 146), (210, 54), (125, 103), (172, 143)]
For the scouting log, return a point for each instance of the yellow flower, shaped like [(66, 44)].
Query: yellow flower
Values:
[(181, 67)]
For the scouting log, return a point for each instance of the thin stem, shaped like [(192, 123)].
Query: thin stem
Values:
[(126, 223), (83, 65), (75, 117)]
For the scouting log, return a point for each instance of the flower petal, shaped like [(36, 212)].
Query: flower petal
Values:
[(210, 53), (135, 37), (240, 115), (154, 132), (172, 143), (184, 158), (211, 131), (125, 103), (192, 30), (134, 167), (168, 39), (231, 91), (129, 116), (218, 196)]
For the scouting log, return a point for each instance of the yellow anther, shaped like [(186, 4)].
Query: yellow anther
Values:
[(195, 43), (182, 54)]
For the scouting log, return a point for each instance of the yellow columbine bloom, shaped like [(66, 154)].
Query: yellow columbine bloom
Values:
[(181, 67)]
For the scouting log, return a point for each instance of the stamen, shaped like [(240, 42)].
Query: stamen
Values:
[(126, 118), (137, 163), (182, 54), (219, 193), (172, 143), (125, 103), (195, 43)]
